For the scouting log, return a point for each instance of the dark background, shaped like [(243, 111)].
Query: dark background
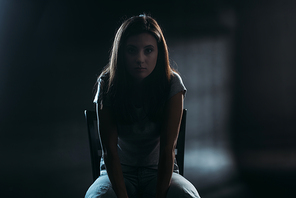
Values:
[(52, 51)]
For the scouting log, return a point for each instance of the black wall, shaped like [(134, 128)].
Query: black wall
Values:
[(52, 51), (265, 94)]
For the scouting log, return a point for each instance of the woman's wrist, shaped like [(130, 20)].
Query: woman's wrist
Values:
[(161, 194), (123, 195)]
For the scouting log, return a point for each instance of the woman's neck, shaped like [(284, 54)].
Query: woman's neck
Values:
[(138, 95)]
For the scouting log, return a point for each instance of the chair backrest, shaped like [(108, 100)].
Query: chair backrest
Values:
[(96, 149)]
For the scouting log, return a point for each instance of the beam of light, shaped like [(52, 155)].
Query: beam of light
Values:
[(205, 66)]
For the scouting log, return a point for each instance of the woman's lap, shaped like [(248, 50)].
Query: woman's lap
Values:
[(102, 188), (180, 187)]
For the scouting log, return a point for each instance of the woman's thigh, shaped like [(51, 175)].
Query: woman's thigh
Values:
[(102, 188), (181, 187)]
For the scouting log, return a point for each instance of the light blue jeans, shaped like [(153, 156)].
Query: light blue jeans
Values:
[(141, 182)]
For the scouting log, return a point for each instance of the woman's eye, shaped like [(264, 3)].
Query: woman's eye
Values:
[(131, 51), (148, 50)]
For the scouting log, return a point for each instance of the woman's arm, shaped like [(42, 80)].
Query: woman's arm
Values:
[(109, 139), (168, 140)]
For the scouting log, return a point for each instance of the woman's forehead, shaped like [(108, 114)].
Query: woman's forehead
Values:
[(142, 39)]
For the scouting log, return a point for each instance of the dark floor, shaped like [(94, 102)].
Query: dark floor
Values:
[(255, 185)]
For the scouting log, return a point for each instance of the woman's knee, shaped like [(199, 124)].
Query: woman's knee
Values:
[(101, 188), (181, 187)]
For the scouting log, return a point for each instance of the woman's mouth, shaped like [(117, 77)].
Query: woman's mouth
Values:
[(140, 69)]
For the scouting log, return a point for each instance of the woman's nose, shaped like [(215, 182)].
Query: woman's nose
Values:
[(140, 58)]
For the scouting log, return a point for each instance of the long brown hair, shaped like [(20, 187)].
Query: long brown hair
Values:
[(116, 83)]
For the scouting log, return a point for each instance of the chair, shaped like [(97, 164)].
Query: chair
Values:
[(96, 149)]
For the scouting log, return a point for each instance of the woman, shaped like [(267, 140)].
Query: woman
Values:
[(139, 104)]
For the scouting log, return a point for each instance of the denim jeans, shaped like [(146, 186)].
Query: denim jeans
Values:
[(141, 183)]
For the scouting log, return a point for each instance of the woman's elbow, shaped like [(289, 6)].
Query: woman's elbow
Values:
[(167, 152), (109, 153)]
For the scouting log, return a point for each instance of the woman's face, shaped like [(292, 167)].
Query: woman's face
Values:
[(141, 55)]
